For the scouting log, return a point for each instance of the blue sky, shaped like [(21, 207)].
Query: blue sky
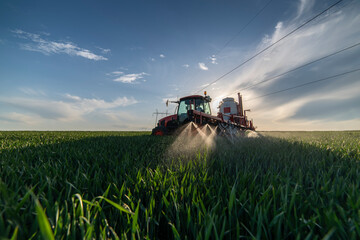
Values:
[(108, 65)]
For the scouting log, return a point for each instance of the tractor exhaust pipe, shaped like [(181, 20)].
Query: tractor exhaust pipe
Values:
[(240, 106)]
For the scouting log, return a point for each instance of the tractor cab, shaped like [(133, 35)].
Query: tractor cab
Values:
[(194, 102), (170, 123)]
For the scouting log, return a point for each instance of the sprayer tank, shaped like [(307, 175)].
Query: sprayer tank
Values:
[(228, 106)]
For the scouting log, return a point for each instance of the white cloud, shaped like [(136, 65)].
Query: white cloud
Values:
[(304, 6), (162, 55), (104, 50), (47, 47), (91, 104), (213, 59), (310, 43), (14, 117), (130, 78), (72, 97), (202, 66), (127, 78), (152, 59), (32, 92), (289, 109), (72, 108), (186, 65), (119, 116), (115, 73), (322, 37)]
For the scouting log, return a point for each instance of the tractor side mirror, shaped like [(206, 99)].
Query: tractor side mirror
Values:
[(167, 103)]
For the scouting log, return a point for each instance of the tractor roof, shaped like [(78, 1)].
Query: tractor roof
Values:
[(192, 97)]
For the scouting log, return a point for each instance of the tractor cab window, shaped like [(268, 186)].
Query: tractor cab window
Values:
[(202, 106), (207, 109), (199, 105), (184, 106)]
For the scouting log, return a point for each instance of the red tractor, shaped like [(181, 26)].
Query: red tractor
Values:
[(196, 109)]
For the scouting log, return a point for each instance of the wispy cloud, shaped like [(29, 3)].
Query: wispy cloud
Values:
[(39, 44), (128, 78), (91, 104), (32, 92), (71, 108), (115, 73), (202, 66), (326, 35), (162, 55), (105, 50), (304, 6), (213, 59), (14, 117), (186, 65)]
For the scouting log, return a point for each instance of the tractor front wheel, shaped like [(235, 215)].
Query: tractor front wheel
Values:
[(159, 131)]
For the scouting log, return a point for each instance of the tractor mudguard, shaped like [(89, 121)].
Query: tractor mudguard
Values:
[(159, 131)]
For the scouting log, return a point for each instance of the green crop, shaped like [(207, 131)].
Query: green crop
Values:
[(123, 185)]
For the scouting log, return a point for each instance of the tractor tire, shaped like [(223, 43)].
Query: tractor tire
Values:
[(159, 131)]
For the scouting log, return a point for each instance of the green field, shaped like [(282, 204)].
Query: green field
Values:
[(97, 185)]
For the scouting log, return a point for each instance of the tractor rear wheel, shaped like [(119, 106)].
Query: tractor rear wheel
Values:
[(159, 131)]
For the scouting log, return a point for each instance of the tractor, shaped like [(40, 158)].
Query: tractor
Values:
[(196, 109)]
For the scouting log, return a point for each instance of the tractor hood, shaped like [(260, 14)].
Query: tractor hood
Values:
[(165, 120)]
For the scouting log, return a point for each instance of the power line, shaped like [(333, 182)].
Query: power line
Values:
[(305, 84), (271, 45), (297, 68), (157, 113), (243, 28)]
